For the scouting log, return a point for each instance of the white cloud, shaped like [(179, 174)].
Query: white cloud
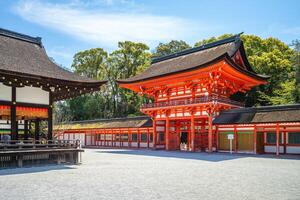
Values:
[(101, 26)]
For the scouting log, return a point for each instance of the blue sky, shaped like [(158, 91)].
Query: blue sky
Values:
[(74, 25)]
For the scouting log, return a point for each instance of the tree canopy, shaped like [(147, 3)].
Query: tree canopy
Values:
[(268, 56)]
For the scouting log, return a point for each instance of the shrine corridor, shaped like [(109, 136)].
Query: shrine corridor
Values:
[(150, 175)]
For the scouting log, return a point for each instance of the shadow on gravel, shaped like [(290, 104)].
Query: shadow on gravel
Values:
[(212, 157), (36, 169)]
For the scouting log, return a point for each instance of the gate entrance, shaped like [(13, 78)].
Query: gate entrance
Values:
[(184, 141)]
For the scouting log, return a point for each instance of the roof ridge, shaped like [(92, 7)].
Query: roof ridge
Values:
[(20, 36), (266, 108), (234, 38)]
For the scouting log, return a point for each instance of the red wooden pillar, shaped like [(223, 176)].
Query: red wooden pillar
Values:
[(167, 133), (138, 138), (284, 140), (210, 133), (217, 138), (154, 134), (277, 139), (255, 140), (129, 138), (192, 131), (120, 138), (235, 139), (105, 139), (148, 137)]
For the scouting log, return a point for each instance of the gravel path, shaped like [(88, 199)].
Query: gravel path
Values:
[(145, 174)]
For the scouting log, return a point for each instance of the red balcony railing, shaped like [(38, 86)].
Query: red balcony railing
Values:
[(198, 100)]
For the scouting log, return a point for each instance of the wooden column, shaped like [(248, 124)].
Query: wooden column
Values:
[(235, 139), (26, 131), (167, 133), (138, 138), (37, 129), (277, 139), (154, 134), (255, 140), (148, 137), (192, 131), (13, 115), (217, 138), (284, 140), (50, 118), (210, 133)]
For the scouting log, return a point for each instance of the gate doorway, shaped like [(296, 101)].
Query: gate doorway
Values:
[(183, 141)]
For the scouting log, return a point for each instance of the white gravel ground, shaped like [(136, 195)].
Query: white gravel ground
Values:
[(145, 174)]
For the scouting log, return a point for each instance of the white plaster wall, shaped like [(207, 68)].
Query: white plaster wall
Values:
[(144, 145), (134, 144), (125, 144), (293, 149), (272, 149), (32, 95), (5, 92)]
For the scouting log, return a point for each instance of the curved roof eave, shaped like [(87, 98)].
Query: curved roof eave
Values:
[(224, 56)]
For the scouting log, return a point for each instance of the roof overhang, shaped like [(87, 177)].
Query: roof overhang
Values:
[(223, 63), (60, 89)]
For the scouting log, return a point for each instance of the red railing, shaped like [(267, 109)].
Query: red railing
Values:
[(198, 100)]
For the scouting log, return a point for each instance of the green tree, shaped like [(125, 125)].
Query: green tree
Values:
[(267, 56), (129, 60), (171, 47)]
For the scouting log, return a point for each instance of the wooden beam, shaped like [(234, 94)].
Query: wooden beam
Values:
[(192, 131), (50, 117), (167, 131), (277, 139), (13, 115), (210, 133)]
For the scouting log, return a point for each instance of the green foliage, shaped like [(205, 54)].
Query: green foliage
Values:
[(173, 46), (112, 101), (268, 56)]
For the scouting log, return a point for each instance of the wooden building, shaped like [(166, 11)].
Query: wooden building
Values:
[(192, 87), (192, 109), (29, 84), (131, 132), (268, 129)]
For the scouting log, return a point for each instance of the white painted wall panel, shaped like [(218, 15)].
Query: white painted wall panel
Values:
[(293, 150), (134, 144), (272, 149), (5, 92), (32, 95), (144, 145)]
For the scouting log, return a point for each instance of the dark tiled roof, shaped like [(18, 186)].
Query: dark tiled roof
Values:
[(192, 59), (265, 114), (25, 54), (128, 122), (24, 59)]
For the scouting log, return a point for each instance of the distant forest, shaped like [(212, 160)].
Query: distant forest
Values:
[(267, 56)]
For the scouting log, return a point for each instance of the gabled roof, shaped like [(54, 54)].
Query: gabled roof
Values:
[(265, 114), (195, 58), (128, 122), (23, 56)]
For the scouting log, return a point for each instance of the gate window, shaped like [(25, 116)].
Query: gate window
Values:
[(134, 137), (144, 137), (294, 138), (271, 138)]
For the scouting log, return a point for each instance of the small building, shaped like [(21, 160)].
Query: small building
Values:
[(268, 129), (119, 132), (29, 84)]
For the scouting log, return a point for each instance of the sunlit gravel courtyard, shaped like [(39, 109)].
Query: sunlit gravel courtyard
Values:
[(145, 174)]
